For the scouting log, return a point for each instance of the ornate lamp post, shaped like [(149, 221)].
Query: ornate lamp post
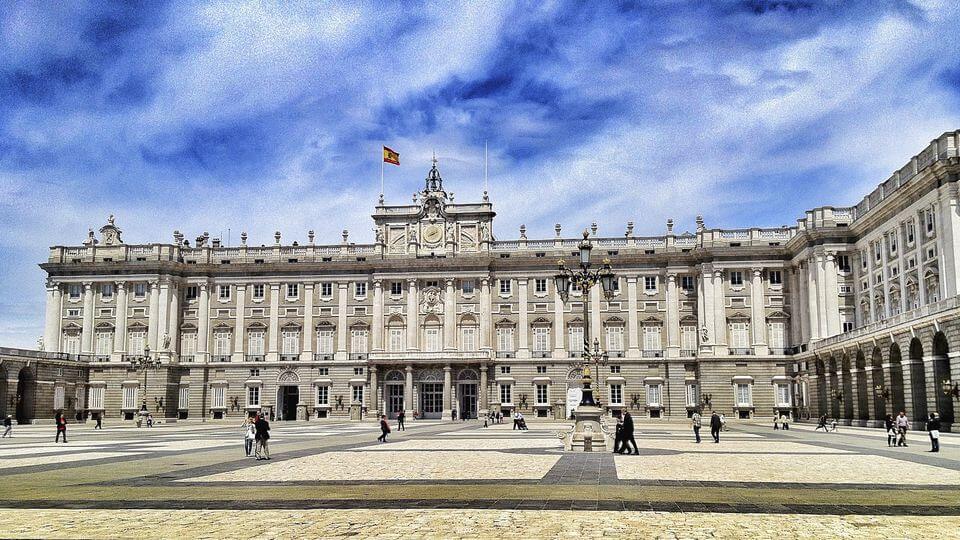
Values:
[(144, 364), (951, 389), (587, 434)]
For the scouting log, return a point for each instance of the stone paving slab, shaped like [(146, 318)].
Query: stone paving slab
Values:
[(467, 444)]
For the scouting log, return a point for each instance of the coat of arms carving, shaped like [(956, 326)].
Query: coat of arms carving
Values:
[(431, 302)]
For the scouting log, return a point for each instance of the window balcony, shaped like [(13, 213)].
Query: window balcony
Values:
[(186, 358), (132, 357), (615, 354), (254, 358), (575, 354), (541, 354), (320, 356), (358, 356), (506, 354), (653, 354), (102, 358), (738, 351), (781, 350), (220, 358), (289, 357), (689, 353)]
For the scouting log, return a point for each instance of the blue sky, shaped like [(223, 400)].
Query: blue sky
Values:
[(261, 117)]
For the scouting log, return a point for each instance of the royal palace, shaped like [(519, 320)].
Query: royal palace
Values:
[(850, 312)]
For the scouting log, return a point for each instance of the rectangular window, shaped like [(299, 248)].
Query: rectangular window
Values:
[(847, 326), (95, 397), (291, 342), (693, 395), (504, 286), (139, 290), (188, 344), (255, 342), (775, 277), (505, 338), (783, 395), (467, 286), (506, 394), (326, 290), (650, 283), (541, 369), (575, 334), (541, 338), (104, 344), (877, 250), (736, 278), (777, 332), (651, 338), (843, 263), (325, 341), (431, 339), (738, 335), (540, 285), (360, 289), (504, 370), (193, 292), (106, 290), (616, 394), (219, 398), (358, 394), (221, 343), (743, 395), (136, 343), (614, 338), (542, 397), (688, 337), (258, 291), (358, 340), (59, 395), (75, 290), (293, 290), (253, 396), (911, 233), (223, 292), (396, 339), (929, 220), (130, 397), (323, 395), (615, 368), (358, 371), (653, 394), (686, 283), (468, 341), (396, 288), (433, 283), (184, 402)]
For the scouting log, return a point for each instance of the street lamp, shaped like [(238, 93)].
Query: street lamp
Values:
[(951, 391), (144, 363), (584, 279)]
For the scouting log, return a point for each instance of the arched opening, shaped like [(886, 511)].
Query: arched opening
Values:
[(896, 380), (863, 411), (879, 385), (847, 387), (26, 396), (918, 381), (822, 403), (834, 388), (941, 374)]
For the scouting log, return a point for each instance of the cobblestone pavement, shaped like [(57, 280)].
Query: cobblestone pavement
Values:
[(462, 480)]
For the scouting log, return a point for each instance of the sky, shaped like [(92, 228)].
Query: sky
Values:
[(264, 116)]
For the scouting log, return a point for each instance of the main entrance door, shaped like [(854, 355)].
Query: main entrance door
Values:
[(431, 400), (289, 398), (468, 401), (394, 400)]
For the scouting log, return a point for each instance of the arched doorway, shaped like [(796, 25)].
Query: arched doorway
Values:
[(26, 396), (863, 411), (879, 402), (834, 388), (918, 381), (288, 395), (467, 403), (846, 379), (941, 373), (896, 379), (823, 405)]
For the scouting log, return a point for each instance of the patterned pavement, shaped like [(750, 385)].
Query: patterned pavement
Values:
[(435, 477)]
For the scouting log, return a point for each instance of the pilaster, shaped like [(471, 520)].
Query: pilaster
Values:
[(633, 332), (758, 324), (86, 336), (240, 330), (273, 328), (308, 331), (673, 316), (523, 328), (449, 316), (413, 315)]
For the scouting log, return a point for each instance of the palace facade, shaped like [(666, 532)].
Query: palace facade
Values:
[(852, 312)]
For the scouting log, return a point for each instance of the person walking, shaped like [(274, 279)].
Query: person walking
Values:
[(8, 426), (618, 436), (61, 427), (516, 420), (822, 423), (723, 422), (715, 426), (888, 425), (249, 435), (99, 421), (384, 428), (695, 421), (262, 437), (903, 424), (628, 440), (785, 421), (401, 416), (933, 428), (776, 422)]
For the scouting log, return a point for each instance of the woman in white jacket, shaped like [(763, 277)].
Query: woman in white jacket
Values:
[(249, 434)]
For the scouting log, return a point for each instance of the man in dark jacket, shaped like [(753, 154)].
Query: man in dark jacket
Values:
[(627, 435), (262, 436), (715, 426), (933, 428), (618, 436), (384, 428), (401, 416), (61, 427)]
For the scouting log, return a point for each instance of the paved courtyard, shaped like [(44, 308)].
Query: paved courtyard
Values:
[(463, 480)]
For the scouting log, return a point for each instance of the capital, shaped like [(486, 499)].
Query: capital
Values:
[(757, 271), (449, 282), (87, 285)]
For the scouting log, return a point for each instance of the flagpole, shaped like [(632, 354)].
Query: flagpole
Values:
[(484, 166), (381, 173)]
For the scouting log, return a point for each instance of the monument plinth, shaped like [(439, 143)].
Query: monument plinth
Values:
[(587, 434)]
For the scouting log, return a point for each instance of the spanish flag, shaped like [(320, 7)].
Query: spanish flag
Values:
[(389, 156)]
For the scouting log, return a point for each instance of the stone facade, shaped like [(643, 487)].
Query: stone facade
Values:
[(437, 317)]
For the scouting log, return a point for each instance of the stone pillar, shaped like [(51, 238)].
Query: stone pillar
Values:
[(372, 404), (447, 405), (203, 323), (832, 295), (797, 307), (449, 317), (486, 313), (413, 315), (948, 235), (120, 330), (153, 324), (705, 310), (173, 320), (273, 329), (408, 392), (673, 317), (308, 330), (871, 402), (812, 304), (633, 331), (558, 325), (163, 314), (484, 391), (86, 336), (377, 330), (596, 323), (720, 316), (51, 329), (758, 321), (343, 290), (523, 326), (240, 331)]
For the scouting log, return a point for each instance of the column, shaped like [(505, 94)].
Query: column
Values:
[(413, 314), (203, 322), (377, 330), (798, 308), (523, 326), (447, 406), (832, 294), (173, 319), (720, 315), (705, 307), (372, 398), (874, 316), (673, 317), (823, 314), (86, 336), (757, 319), (120, 330), (308, 330), (342, 292), (559, 328), (51, 330), (240, 331), (486, 313), (449, 317), (948, 238), (484, 391), (408, 393), (163, 314), (153, 329), (273, 330), (633, 331), (812, 309)]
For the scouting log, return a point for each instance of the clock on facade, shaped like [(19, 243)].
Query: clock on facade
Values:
[(432, 233)]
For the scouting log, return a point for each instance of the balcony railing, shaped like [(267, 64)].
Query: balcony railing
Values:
[(922, 311), (358, 356), (186, 358), (652, 354), (289, 357), (615, 354), (740, 351), (254, 358), (102, 358), (220, 358), (322, 356), (778, 350), (690, 353), (574, 354), (541, 354), (506, 354)]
